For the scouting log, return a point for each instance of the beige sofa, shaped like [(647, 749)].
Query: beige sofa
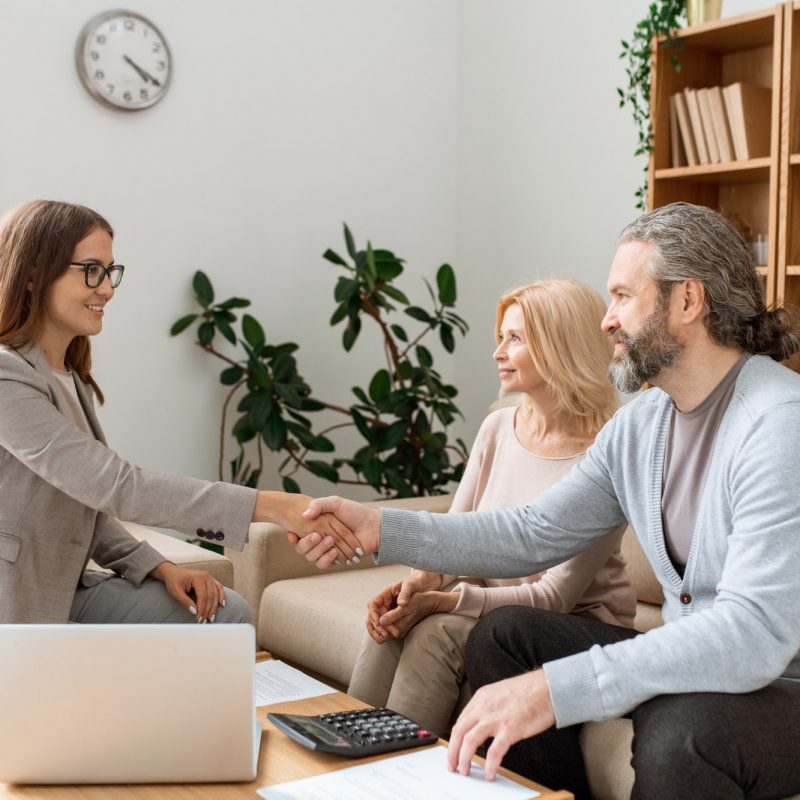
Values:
[(315, 620)]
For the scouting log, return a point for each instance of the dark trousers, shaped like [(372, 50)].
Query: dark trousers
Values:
[(703, 745)]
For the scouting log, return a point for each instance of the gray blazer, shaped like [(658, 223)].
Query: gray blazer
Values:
[(61, 489)]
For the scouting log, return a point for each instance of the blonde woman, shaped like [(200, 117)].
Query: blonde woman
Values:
[(551, 350)]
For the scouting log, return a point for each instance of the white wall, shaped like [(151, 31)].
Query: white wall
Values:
[(481, 132)]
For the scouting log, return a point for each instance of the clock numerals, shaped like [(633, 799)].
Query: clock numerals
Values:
[(120, 66)]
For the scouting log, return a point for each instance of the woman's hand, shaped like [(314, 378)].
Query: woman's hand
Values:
[(419, 580), (401, 619), (209, 593), (383, 602)]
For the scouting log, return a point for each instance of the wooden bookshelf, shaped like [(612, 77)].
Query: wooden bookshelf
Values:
[(788, 267), (747, 48)]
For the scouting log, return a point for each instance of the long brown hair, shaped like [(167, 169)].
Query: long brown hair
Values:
[(37, 241), (570, 351)]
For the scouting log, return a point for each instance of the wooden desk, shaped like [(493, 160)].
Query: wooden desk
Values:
[(280, 760)]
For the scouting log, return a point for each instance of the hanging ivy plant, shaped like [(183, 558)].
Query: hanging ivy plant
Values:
[(663, 18)]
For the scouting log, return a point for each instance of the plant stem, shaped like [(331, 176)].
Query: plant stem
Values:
[(222, 424)]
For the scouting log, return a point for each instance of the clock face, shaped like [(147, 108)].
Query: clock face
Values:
[(123, 60)]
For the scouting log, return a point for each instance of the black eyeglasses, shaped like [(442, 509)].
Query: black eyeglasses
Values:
[(95, 274)]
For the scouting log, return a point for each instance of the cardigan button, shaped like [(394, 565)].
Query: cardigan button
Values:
[(201, 533), (219, 536), (686, 599)]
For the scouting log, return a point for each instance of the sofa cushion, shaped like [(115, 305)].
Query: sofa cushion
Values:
[(318, 621), (643, 580)]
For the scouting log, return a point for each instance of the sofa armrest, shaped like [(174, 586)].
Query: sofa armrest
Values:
[(268, 557), (180, 552)]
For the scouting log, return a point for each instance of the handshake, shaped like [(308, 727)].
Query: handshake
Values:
[(341, 531)]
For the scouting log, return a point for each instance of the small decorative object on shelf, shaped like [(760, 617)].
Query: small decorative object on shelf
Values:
[(699, 11)]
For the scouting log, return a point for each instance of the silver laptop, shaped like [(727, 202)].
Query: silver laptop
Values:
[(127, 703)]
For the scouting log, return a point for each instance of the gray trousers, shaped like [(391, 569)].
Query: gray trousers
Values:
[(116, 600)]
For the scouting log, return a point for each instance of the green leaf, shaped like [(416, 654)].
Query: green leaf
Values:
[(446, 335), (419, 313), (334, 258), (253, 332), (205, 333), (203, 289), (364, 428), (312, 405), (359, 393), (230, 376), (345, 289), (446, 281), (323, 470), (424, 356), (351, 333), (372, 269), (380, 385), (291, 486), (284, 368), (289, 395), (348, 238), (339, 314), (226, 331), (373, 470), (274, 432), (243, 431), (399, 333), (394, 434), (235, 302), (395, 294), (388, 269), (182, 324), (261, 408)]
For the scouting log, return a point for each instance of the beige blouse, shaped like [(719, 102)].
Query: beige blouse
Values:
[(501, 473)]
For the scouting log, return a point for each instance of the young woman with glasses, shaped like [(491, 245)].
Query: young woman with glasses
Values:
[(552, 352), (61, 488)]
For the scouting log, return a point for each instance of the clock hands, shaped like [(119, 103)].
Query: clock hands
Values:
[(143, 74)]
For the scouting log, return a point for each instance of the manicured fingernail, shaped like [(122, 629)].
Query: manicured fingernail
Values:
[(223, 604), (199, 620), (359, 551), (192, 610), (356, 559), (338, 563), (213, 617)]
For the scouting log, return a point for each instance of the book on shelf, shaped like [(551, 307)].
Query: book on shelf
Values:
[(721, 127), (748, 108), (685, 127), (697, 125), (676, 146), (708, 126)]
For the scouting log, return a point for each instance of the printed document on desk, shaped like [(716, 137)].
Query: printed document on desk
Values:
[(277, 682), (420, 775)]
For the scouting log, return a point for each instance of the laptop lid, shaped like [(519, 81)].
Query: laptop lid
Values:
[(127, 703)]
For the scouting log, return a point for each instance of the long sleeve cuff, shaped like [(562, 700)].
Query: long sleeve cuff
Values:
[(400, 537), (470, 600), (574, 690)]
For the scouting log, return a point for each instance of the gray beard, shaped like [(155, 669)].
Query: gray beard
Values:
[(646, 355)]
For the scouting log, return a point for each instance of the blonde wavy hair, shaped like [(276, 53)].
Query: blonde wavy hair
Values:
[(568, 348)]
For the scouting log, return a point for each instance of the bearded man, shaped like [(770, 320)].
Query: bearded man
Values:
[(705, 467)]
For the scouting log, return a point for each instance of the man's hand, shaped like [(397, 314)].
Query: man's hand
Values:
[(507, 711), (363, 522), (208, 592)]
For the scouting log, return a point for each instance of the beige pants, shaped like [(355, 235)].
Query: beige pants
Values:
[(420, 676)]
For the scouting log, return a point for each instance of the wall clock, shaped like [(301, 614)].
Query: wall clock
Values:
[(123, 60)]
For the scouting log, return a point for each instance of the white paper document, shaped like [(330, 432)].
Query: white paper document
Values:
[(420, 775), (277, 682)]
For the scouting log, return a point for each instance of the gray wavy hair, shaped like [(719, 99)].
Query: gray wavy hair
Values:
[(695, 242)]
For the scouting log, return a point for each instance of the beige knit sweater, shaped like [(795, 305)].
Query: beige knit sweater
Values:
[(501, 473)]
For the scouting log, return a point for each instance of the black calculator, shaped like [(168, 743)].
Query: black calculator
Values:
[(366, 732)]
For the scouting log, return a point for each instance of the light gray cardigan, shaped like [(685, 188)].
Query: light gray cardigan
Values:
[(733, 621)]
